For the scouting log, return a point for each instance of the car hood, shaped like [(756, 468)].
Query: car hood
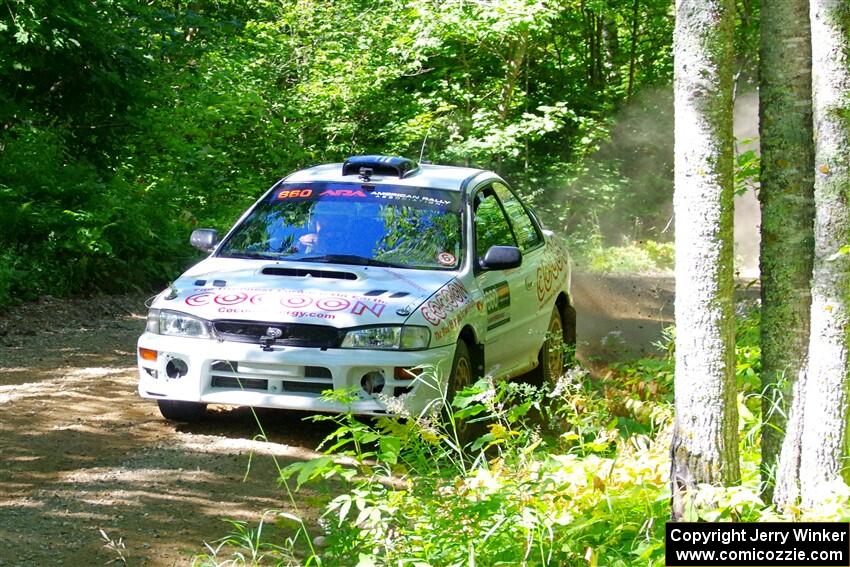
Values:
[(338, 295)]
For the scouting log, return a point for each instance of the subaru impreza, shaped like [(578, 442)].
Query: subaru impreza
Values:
[(395, 282)]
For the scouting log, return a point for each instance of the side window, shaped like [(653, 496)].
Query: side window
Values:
[(491, 226), (524, 227)]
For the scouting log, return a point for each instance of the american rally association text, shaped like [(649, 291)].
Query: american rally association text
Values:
[(757, 533)]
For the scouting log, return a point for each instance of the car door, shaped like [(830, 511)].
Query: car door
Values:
[(533, 315), (503, 290)]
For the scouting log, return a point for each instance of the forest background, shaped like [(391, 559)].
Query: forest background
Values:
[(125, 124)]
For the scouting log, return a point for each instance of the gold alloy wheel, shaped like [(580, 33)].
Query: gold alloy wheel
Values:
[(460, 378), (462, 374), (554, 355)]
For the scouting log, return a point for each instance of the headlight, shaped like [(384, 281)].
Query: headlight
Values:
[(388, 338), (176, 324)]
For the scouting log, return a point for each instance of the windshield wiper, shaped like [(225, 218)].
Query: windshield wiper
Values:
[(251, 255), (349, 259)]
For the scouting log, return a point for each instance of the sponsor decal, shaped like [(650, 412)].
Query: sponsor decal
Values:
[(296, 300), (454, 322), (198, 299), (290, 303), (445, 302), (446, 259), (551, 272), (497, 298), (231, 298), (342, 193), (423, 199)]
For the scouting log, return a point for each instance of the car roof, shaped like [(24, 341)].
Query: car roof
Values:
[(426, 175)]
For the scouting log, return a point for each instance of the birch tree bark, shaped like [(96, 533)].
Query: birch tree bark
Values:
[(705, 440), (787, 216), (824, 438)]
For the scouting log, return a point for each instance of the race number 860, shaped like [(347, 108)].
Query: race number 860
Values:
[(292, 193)]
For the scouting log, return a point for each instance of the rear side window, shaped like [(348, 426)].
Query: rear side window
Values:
[(524, 227)]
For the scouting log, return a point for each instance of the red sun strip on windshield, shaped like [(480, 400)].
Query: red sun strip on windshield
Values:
[(419, 196)]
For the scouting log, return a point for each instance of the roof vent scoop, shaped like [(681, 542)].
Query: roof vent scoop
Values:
[(379, 165)]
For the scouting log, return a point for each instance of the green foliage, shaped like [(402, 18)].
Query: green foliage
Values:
[(747, 169), (638, 256), (517, 494), (125, 124), (571, 475), (247, 545)]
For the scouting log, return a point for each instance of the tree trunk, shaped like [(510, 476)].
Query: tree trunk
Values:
[(633, 49), (787, 216), (600, 52), (787, 471), (513, 70), (825, 421), (611, 40), (705, 438), (593, 46)]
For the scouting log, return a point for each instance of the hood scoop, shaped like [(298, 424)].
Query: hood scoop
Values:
[(312, 272)]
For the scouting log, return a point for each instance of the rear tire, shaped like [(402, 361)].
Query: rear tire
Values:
[(185, 412)]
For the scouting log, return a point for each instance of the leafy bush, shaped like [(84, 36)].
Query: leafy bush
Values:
[(639, 256), (550, 480), (572, 474)]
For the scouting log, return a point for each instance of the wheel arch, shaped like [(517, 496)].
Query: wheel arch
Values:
[(568, 317)]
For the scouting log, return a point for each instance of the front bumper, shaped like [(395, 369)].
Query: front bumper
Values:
[(224, 372)]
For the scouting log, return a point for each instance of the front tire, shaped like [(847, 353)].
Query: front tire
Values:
[(553, 355), (461, 377), (185, 412)]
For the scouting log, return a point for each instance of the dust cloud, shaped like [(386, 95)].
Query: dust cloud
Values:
[(641, 143)]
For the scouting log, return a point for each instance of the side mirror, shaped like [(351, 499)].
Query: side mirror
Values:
[(204, 239), (502, 258)]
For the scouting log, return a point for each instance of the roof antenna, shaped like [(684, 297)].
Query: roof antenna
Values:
[(366, 173), (424, 140)]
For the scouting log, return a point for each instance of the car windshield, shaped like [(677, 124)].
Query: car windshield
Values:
[(352, 223)]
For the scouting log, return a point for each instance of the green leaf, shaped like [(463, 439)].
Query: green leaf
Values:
[(22, 36), (390, 449), (308, 470)]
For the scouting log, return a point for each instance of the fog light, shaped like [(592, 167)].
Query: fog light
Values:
[(372, 382), (402, 373), (147, 354), (176, 368)]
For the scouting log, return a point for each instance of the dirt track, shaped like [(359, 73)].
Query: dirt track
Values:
[(81, 452)]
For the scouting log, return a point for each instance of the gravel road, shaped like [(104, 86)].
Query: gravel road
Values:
[(82, 453)]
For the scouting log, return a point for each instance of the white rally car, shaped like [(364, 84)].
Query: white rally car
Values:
[(395, 281)]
